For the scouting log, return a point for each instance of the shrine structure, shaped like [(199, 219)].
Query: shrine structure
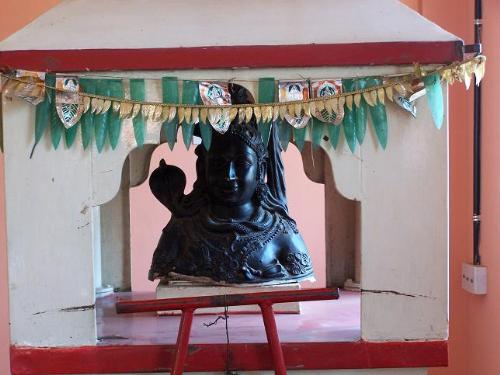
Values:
[(67, 209)]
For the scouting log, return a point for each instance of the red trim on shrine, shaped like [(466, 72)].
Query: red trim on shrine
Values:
[(280, 56), (212, 357)]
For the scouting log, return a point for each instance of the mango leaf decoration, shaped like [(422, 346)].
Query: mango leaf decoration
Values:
[(101, 119), (349, 120), (360, 111), (138, 93), (70, 135), (299, 136), (206, 135), (334, 135), (115, 122), (56, 126), (87, 119), (42, 112), (285, 133), (318, 128), (170, 95), (190, 95), (266, 95), (434, 92), (378, 114)]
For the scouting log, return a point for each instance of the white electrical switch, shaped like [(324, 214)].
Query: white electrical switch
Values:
[(474, 278)]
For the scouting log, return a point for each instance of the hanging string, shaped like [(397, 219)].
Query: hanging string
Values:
[(228, 370), (225, 317), (402, 79)]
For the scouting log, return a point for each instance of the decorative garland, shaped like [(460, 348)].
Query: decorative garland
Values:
[(99, 106)]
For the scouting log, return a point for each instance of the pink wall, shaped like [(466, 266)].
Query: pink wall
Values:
[(16, 14), (474, 326), (460, 187)]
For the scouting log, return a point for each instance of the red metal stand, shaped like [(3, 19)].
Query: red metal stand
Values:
[(188, 305), (273, 338), (181, 347)]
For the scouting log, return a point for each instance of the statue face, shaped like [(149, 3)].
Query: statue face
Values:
[(231, 171)]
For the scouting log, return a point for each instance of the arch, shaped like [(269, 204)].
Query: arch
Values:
[(342, 220)]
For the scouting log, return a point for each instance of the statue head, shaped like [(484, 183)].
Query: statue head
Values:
[(234, 167)]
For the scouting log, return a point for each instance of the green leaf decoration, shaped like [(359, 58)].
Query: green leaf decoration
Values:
[(378, 115), (115, 123), (56, 126), (41, 118), (206, 135), (349, 121), (101, 120), (360, 113), (299, 136), (87, 119), (334, 134), (138, 92), (284, 133), (190, 95), (170, 95), (266, 95), (70, 135), (265, 131), (318, 128), (434, 93)]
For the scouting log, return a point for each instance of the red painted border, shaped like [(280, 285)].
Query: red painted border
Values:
[(212, 357), (306, 55)]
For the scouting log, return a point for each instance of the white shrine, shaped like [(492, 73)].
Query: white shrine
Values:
[(67, 209)]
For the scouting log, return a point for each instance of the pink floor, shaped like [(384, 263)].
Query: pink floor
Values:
[(321, 321)]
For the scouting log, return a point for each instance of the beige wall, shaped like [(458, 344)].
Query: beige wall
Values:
[(13, 16)]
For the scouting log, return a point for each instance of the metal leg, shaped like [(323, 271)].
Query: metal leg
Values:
[(181, 348), (273, 339)]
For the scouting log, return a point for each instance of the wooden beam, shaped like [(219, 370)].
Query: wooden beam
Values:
[(228, 57), (212, 357)]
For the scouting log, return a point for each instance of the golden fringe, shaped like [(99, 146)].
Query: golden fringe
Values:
[(265, 112)]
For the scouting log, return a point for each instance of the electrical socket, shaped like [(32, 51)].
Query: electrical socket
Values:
[(474, 278)]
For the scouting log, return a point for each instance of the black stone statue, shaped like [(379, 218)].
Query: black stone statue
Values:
[(234, 226)]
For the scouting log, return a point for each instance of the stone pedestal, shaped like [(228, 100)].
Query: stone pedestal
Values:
[(177, 289)]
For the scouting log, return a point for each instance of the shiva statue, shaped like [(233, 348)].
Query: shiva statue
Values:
[(234, 226)]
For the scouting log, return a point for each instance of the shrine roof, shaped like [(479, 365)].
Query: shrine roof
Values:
[(262, 33)]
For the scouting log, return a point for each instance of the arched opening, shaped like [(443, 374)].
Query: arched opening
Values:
[(342, 246), (148, 217), (130, 224)]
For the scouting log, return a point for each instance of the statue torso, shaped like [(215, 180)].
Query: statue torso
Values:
[(264, 248)]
